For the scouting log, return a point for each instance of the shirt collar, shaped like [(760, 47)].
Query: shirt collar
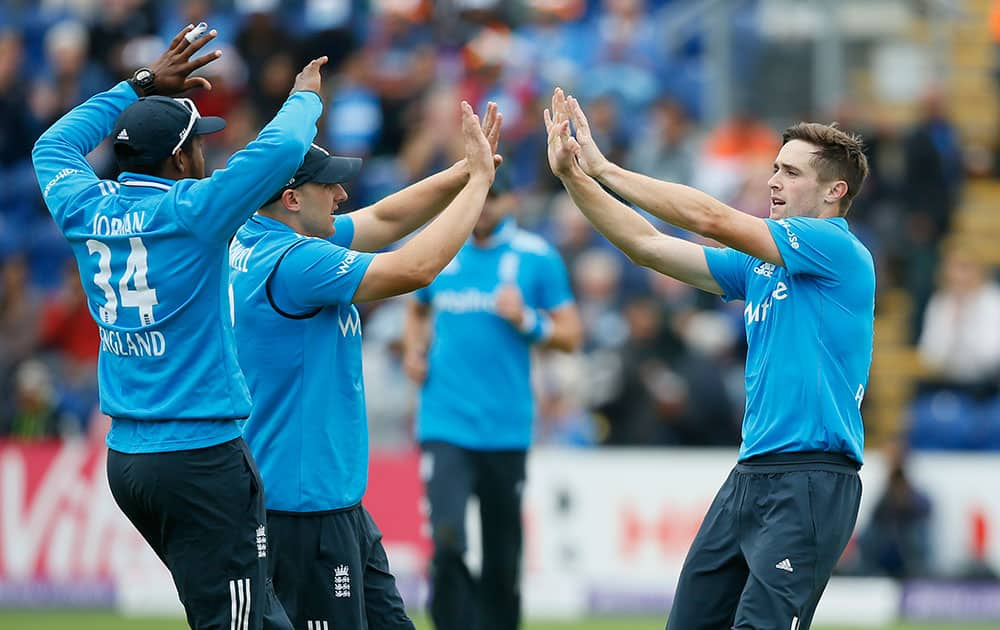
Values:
[(138, 181)]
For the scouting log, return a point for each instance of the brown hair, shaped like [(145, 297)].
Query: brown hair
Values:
[(839, 155)]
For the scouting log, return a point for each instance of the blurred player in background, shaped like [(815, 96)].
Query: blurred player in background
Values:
[(151, 248), (296, 273), (771, 538), (506, 291)]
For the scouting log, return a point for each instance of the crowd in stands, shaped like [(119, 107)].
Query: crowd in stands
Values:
[(662, 363)]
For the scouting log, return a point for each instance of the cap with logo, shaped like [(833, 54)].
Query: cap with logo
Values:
[(155, 127), (320, 167)]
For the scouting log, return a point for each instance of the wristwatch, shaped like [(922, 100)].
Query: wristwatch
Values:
[(142, 82)]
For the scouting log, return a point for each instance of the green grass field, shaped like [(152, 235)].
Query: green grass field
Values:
[(88, 620)]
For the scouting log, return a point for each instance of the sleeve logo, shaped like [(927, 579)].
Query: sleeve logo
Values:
[(793, 239), (345, 265), (66, 172)]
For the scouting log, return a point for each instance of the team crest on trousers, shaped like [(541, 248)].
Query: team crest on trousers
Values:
[(261, 542), (341, 581)]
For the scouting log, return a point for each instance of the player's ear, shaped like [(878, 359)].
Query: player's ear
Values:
[(836, 191), (290, 199), (180, 161)]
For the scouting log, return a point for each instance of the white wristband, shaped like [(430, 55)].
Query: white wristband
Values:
[(529, 319), (535, 325)]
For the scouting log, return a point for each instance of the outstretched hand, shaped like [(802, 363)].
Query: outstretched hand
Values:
[(478, 150), (309, 78), (592, 161), (563, 148), (173, 68)]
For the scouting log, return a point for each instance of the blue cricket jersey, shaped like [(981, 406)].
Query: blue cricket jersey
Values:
[(152, 254), (299, 342), (478, 389), (809, 337)]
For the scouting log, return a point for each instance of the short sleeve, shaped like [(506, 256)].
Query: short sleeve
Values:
[(555, 291), (343, 226), (729, 268), (815, 247), (316, 273)]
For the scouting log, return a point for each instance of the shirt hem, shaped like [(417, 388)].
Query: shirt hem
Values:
[(307, 513), (519, 446), (170, 446)]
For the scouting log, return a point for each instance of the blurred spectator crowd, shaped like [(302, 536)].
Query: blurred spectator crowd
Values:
[(662, 363)]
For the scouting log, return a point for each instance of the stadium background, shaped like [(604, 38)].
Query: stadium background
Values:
[(636, 431)]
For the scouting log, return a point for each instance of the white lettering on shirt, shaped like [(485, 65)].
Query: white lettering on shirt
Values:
[(465, 301), (149, 343), (66, 172), (345, 265), (239, 256), (793, 239), (131, 223), (353, 323), (781, 292)]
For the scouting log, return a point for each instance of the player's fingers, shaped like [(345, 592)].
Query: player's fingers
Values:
[(564, 133), (547, 117), (562, 111), (317, 63), (466, 111), (175, 43), (489, 119), (559, 102), (494, 135), (202, 61), (579, 118), (555, 103), (199, 43), (470, 122), (194, 82)]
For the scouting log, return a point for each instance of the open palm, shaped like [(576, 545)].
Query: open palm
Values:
[(563, 148), (592, 161)]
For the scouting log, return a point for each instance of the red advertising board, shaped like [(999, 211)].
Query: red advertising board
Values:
[(59, 523)]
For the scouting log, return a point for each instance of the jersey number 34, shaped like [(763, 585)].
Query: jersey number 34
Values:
[(142, 297)]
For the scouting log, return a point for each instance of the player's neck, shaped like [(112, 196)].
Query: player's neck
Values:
[(289, 219)]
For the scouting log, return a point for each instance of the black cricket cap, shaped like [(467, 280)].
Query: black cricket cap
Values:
[(320, 167), (155, 127)]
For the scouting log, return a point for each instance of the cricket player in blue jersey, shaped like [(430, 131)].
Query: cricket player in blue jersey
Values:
[(151, 248), (771, 538), (505, 292), (296, 272)]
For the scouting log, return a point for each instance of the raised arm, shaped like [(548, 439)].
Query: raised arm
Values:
[(59, 155), (223, 202), (418, 262), (679, 205), (625, 228), (399, 214)]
